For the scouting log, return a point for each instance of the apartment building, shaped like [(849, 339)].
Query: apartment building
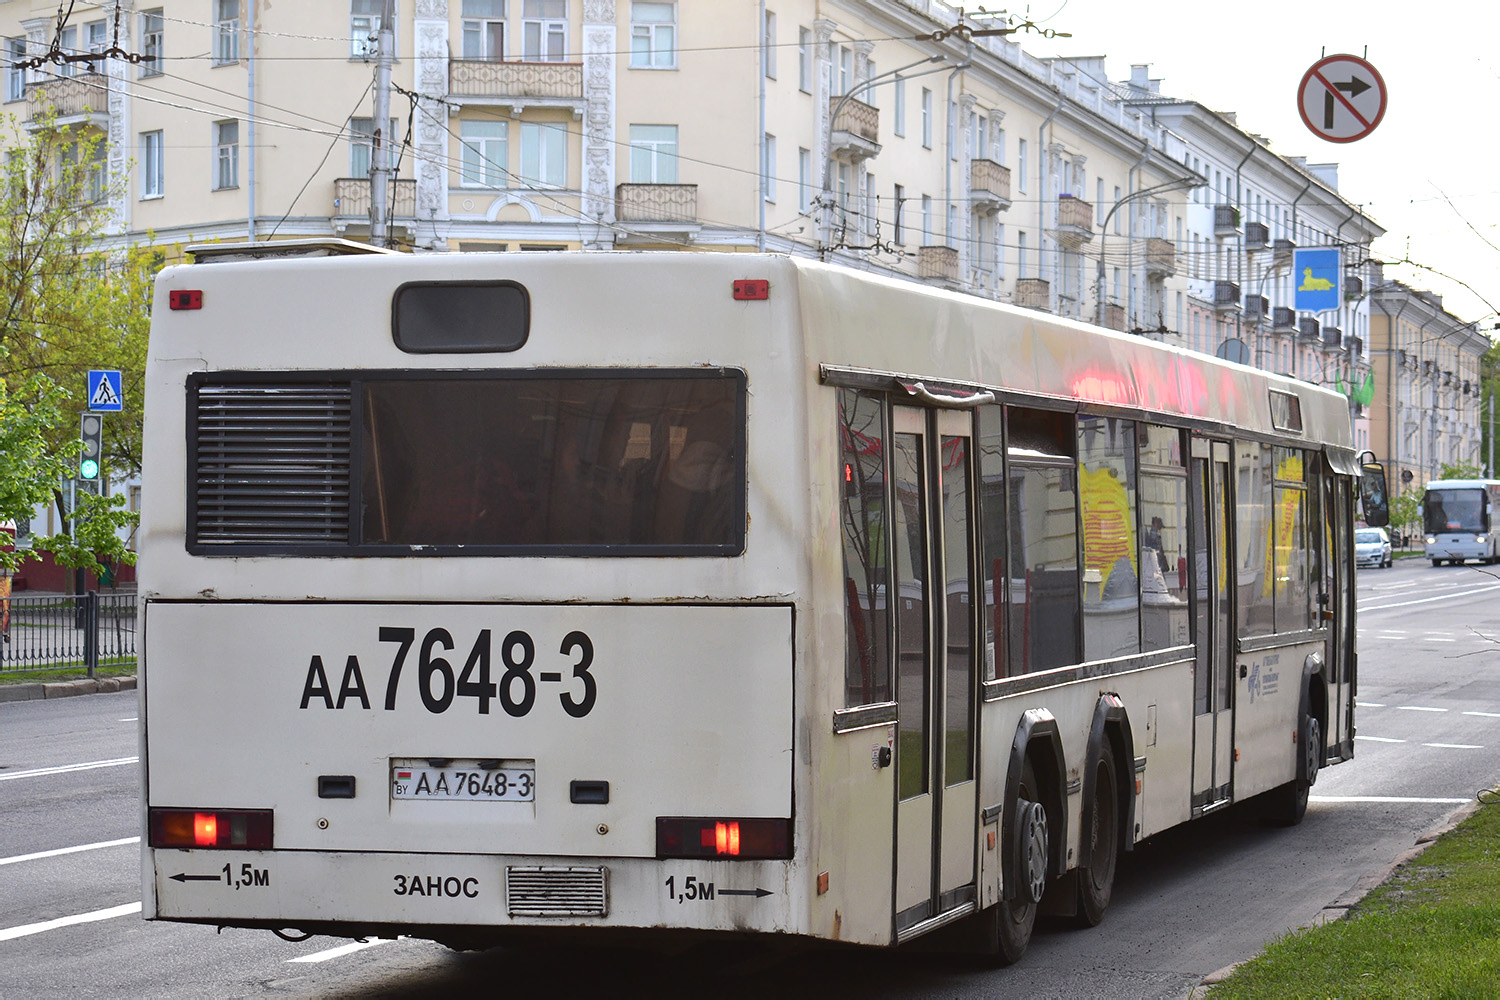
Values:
[(879, 133), (1426, 408)]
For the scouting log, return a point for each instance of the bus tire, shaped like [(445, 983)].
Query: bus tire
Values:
[(1096, 882), (1288, 802), (1436, 563), (1026, 835)]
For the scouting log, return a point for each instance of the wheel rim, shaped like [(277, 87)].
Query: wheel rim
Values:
[(1314, 749), (1033, 849)]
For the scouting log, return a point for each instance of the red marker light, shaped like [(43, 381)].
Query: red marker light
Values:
[(189, 298), (224, 829), (205, 829), (686, 837), (752, 289)]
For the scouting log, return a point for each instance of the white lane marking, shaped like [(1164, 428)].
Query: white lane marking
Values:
[(1379, 739), (26, 930), (1430, 600), (1433, 638), (69, 850), (1454, 746), (342, 950), (128, 720), (1418, 708), (1387, 798), (1368, 704), (66, 768), (1485, 715)]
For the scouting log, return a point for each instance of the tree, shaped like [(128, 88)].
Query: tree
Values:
[(1460, 470), (1406, 516), (66, 305)]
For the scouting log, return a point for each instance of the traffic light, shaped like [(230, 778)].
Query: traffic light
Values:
[(91, 433)]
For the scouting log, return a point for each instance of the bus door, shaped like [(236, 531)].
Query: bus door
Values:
[(933, 539), (1336, 611), (1213, 605)]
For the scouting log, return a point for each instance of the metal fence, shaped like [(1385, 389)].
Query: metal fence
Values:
[(60, 632)]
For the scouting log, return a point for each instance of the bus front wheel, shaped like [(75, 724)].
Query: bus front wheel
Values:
[(1011, 921), (1096, 882)]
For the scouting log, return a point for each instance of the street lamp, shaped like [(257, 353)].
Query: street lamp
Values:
[(834, 116), (1188, 181)]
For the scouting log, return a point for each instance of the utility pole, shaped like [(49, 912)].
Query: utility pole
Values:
[(380, 158)]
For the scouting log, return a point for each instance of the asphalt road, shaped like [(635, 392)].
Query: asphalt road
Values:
[(1186, 903)]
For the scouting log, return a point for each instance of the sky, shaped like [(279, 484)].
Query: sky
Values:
[(1429, 173)]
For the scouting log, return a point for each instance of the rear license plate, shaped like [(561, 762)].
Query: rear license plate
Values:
[(465, 781)]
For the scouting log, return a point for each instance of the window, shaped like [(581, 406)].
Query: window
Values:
[(951, 134), (1021, 255), (1099, 201), (768, 170), (1000, 250), (927, 118), (483, 30), (152, 35), (872, 207), (15, 76), (227, 31), (804, 60), (67, 40), (364, 27), (484, 153), (841, 68), (226, 155), (653, 35), (770, 43), (1254, 476), (841, 189), (898, 111), (898, 196), (862, 526), (653, 154), (804, 179), (985, 244), (1111, 575), (361, 136), (544, 30), (97, 37), (152, 181), (1164, 539), (926, 219), (544, 154), (1021, 165), (1000, 144)]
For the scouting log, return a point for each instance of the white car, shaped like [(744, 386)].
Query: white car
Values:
[(1372, 547)]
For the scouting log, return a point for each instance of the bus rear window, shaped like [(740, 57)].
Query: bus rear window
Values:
[(458, 463)]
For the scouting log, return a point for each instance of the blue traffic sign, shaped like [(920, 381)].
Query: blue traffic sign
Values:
[(104, 391), (1316, 278)]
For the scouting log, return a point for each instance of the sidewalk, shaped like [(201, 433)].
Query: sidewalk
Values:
[(65, 689)]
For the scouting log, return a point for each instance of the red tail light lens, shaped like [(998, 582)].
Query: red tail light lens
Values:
[(746, 839), (222, 829)]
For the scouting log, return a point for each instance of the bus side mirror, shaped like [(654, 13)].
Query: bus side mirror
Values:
[(1372, 495)]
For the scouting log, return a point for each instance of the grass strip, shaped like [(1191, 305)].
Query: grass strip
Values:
[(65, 674), (1432, 930)]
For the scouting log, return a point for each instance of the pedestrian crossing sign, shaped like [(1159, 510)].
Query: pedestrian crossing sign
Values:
[(104, 391)]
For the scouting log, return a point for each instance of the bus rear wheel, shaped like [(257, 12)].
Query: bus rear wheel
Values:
[(1288, 802), (1009, 923), (1096, 882)]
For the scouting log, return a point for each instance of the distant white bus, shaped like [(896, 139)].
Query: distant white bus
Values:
[(1461, 519), (490, 595)]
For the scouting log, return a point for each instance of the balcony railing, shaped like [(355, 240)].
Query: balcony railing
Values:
[(990, 184), (855, 133), (1033, 293), (1075, 220), (1161, 256), (351, 198), (937, 263), (477, 78), (1114, 316), (69, 97), (656, 202)]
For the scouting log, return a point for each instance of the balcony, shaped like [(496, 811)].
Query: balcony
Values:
[(1161, 257), (1226, 296), (1257, 236), (518, 84), (1114, 316), (937, 263), (1354, 287), (1075, 221), (657, 211), (75, 100), (989, 186), (1283, 320), (855, 131), (1281, 253), (1309, 329), (1356, 347), (1257, 307), (1333, 338), (1034, 293), (351, 198), (1226, 221)]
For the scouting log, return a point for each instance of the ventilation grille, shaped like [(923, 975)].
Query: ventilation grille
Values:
[(272, 465), (557, 892)]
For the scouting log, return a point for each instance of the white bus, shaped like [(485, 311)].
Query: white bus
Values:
[(495, 594), (1461, 520)]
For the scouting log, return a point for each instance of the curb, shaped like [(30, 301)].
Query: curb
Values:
[(1341, 905), (65, 689)]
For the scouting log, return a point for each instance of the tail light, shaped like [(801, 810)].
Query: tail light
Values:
[(222, 829), (745, 839)]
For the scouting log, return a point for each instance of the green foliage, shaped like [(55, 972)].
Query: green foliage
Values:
[(1460, 470), (1406, 512), (30, 467), (94, 543)]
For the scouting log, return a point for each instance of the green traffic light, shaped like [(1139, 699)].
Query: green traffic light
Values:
[(88, 469)]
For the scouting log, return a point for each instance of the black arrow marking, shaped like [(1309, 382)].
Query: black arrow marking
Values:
[(185, 877), (757, 893), (1354, 87)]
